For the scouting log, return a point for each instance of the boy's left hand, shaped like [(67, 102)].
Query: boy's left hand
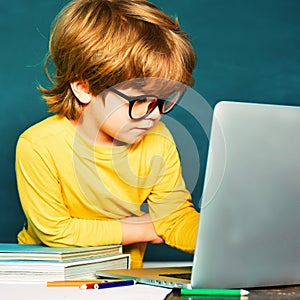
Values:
[(139, 229)]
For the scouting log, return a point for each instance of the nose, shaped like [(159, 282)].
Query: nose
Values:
[(155, 114)]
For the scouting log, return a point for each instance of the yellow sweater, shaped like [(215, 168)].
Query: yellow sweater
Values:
[(74, 193)]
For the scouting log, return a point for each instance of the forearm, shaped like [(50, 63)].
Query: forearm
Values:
[(66, 231), (179, 228), (74, 232), (139, 229)]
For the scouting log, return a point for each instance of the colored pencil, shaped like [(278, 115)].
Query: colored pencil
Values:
[(106, 285), (74, 282), (214, 292)]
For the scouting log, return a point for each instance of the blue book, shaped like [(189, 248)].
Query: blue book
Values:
[(42, 253)]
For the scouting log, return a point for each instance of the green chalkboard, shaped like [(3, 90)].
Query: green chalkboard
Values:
[(246, 50)]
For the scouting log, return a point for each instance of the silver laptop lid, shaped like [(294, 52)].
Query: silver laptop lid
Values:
[(250, 212)]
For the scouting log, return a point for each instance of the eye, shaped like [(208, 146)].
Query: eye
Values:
[(146, 100), (142, 100)]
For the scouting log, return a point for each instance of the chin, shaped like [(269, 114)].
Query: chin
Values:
[(131, 140), (135, 141)]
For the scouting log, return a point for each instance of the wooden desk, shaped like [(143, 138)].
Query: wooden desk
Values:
[(10, 291), (274, 293), (38, 291)]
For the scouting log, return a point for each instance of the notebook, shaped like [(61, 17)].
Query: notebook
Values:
[(248, 233), (41, 252)]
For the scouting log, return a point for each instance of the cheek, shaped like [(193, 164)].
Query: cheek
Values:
[(116, 120), (114, 111)]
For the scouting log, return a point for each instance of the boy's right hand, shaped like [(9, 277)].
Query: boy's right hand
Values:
[(139, 229)]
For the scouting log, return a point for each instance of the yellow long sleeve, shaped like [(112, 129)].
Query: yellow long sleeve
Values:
[(74, 193)]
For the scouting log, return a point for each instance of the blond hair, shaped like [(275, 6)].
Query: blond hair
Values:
[(105, 42)]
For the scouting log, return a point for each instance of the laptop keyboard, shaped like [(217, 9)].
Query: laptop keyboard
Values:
[(178, 275)]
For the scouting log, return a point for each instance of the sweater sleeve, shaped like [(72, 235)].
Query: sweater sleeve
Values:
[(48, 218), (172, 211)]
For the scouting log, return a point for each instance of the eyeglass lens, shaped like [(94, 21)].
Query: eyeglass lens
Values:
[(144, 106)]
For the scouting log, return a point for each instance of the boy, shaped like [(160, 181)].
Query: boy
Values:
[(84, 173)]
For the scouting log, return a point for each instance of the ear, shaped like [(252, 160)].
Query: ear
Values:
[(81, 91)]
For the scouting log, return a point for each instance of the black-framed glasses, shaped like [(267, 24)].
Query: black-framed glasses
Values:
[(143, 105)]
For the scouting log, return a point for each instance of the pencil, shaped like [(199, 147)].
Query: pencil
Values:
[(78, 282), (214, 292), (106, 285)]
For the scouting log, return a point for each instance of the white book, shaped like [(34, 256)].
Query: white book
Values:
[(25, 270)]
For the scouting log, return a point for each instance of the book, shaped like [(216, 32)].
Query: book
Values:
[(41, 271), (41, 252)]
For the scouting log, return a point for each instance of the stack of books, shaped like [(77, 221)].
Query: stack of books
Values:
[(36, 263)]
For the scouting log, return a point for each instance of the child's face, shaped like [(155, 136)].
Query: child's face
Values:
[(113, 122), (118, 124), (123, 114)]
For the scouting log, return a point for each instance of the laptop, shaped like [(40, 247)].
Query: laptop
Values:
[(248, 233)]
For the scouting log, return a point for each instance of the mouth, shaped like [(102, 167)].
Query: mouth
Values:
[(140, 131), (144, 128)]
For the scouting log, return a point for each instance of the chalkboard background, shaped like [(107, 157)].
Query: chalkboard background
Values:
[(246, 50)]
